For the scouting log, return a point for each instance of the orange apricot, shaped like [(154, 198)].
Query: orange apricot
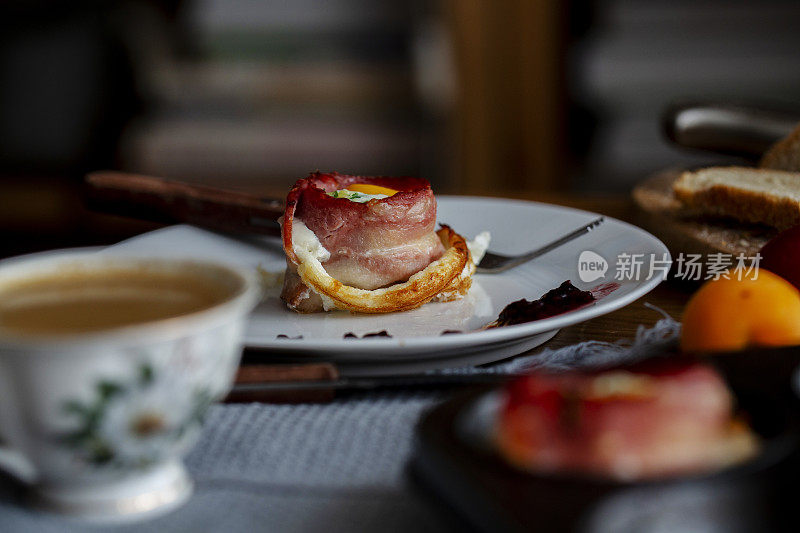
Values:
[(732, 314)]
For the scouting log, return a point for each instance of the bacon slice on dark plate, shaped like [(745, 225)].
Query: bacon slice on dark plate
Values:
[(655, 419)]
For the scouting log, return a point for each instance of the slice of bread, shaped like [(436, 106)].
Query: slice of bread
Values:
[(784, 154), (764, 196)]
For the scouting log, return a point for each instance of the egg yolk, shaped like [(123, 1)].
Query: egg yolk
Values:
[(367, 188)]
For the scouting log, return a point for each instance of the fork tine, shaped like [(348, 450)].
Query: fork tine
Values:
[(493, 263)]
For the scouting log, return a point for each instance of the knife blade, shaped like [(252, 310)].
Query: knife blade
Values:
[(737, 129), (372, 383)]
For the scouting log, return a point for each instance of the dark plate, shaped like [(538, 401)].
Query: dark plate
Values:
[(758, 495)]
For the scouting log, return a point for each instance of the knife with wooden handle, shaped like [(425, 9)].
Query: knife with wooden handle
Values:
[(727, 128), (284, 383), (161, 200), (763, 372), (320, 382)]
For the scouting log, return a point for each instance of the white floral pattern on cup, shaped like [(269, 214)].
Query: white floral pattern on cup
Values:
[(128, 425)]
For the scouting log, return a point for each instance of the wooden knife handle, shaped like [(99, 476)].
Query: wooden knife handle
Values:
[(286, 372), (162, 200)]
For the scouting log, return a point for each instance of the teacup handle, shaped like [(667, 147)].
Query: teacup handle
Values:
[(15, 463)]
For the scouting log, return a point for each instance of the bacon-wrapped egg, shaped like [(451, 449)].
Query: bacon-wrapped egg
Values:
[(368, 244)]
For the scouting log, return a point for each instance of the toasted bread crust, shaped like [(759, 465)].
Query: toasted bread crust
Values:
[(784, 154), (739, 203)]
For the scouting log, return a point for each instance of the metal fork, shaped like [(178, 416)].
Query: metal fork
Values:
[(493, 263)]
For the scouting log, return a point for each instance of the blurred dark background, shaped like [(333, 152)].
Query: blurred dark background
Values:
[(499, 97)]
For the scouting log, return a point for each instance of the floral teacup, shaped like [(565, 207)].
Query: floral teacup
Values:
[(97, 422)]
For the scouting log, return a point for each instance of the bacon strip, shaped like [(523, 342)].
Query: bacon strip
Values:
[(657, 418), (324, 215)]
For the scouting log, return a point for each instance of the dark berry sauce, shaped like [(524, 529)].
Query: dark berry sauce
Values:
[(565, 297)]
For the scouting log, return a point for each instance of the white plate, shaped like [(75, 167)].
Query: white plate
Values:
[(417, 343)]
